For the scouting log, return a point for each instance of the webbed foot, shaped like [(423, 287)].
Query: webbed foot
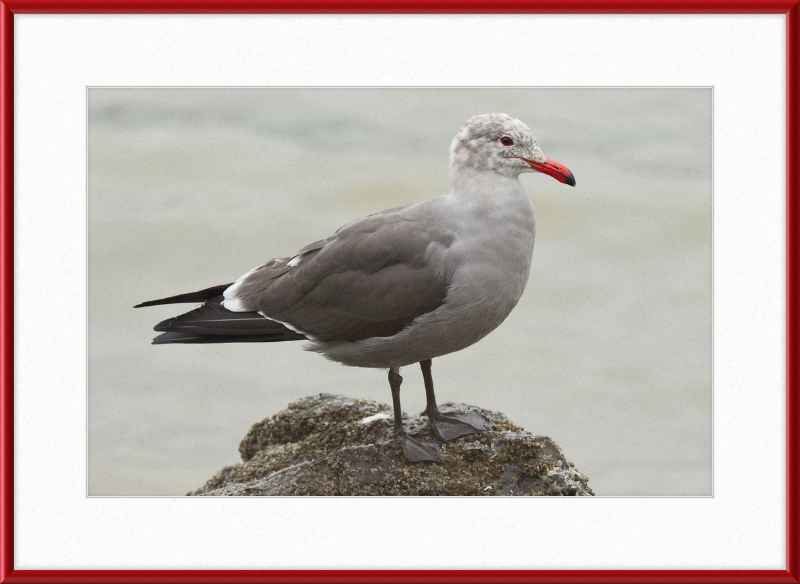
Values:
[(418, 451), (446, 427)]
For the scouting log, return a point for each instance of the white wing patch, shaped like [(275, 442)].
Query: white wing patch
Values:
[(295, 261), (231, 302), (234, 305)]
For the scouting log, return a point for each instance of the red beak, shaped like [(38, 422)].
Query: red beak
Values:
[(558, 171)]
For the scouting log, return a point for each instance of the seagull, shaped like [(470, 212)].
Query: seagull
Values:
[(399, 287)]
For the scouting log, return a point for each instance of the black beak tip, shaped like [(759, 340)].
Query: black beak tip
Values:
[(571, 179)]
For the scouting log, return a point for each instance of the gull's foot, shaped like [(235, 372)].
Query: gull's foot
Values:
[(448, 426), (418, 451)]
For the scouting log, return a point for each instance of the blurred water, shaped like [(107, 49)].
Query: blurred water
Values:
[(608, 352)]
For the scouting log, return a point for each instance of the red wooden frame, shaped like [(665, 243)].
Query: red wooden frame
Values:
[(791, 8)]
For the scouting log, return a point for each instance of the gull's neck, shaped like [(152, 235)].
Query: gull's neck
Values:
[(493, 216), (486, 186)]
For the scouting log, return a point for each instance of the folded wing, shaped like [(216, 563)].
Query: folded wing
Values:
[(370, 279)]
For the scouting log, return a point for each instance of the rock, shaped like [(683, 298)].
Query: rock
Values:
[(336, 445)]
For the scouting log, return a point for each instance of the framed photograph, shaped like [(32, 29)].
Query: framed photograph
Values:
[(352, 135), (147, 155)]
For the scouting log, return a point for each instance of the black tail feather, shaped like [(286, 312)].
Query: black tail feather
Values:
[(199, 296), (188, 338), (213, 323)]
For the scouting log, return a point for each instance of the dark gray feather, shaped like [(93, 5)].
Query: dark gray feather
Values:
[(369, 279)]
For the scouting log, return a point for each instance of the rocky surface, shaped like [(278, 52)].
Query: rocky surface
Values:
[(335, 445)]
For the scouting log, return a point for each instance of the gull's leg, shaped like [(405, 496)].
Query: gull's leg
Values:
[(414, 450), (447, 426)]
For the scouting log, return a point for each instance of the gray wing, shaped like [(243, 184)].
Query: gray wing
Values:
[(369, 279)]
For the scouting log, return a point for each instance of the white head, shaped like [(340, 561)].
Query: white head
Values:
[(501, 143)]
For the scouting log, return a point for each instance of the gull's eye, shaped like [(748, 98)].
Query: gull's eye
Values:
[(506, 141)]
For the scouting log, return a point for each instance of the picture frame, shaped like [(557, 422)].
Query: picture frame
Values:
[(8, 573)]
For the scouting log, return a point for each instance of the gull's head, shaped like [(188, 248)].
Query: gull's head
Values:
[(501, 143)]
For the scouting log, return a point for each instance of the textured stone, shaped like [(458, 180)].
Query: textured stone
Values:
[(335, 445)]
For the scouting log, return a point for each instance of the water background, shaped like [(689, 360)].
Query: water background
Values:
[(608, 352)]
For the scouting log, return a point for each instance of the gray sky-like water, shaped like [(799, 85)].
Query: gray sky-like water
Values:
[(608, 352)]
